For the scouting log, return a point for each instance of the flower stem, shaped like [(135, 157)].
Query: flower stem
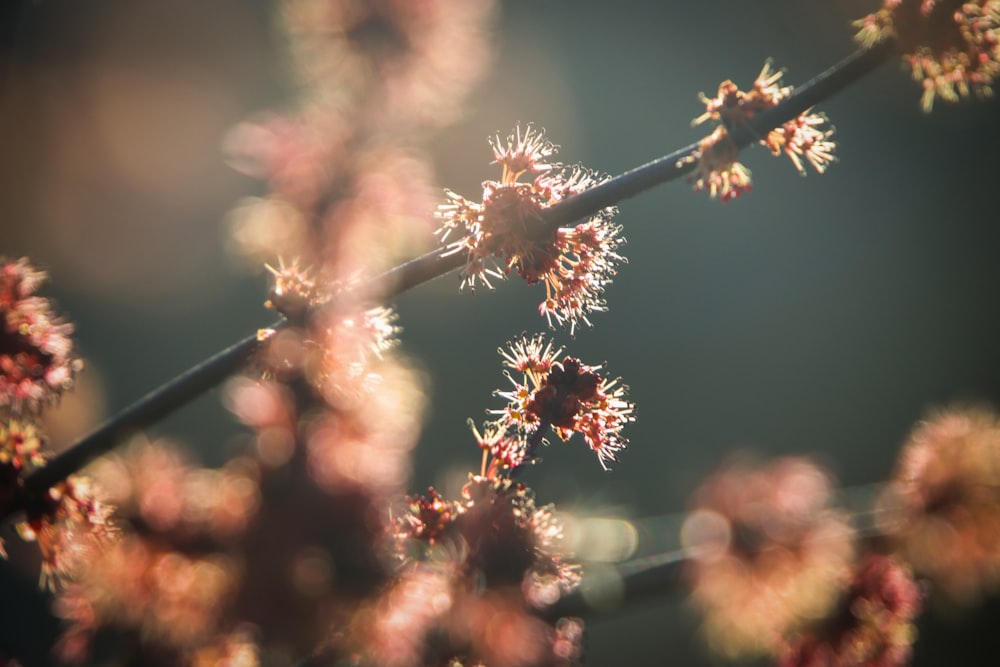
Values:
[(161, 402)]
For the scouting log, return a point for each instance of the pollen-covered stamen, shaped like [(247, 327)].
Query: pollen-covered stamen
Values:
[(802, 139), (531, 356), (524, 150)]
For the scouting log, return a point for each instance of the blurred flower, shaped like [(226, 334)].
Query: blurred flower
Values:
[(952, 48), (236, 649), (365, 442), (505, 233), (154, 484), (942, 506), (268, 408), (174, 600), (872, 626), (767, 553), (36, 362), (483, 563), (403, 62)]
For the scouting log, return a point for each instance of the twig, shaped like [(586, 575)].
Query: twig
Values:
[(146, 411)]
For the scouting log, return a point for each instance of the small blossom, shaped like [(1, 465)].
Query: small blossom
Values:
[(503, 448), (525, 150), (952, 48), (718, 170), (21, 445), (943, 505), (568, 396), (504, 231), (872, 626), (294, 292), (767, 553), (801, 138), (36, 362), (731, 106)]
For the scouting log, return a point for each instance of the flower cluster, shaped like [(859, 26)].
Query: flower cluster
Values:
[(802, 139), (505, 231), (36, 352), (565, 395), (952, 48), (37, 364), (484, 564)]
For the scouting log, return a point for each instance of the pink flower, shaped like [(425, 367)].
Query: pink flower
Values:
[(36, 362), (504, 232)]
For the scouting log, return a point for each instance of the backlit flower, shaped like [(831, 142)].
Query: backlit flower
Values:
[(505, 232), (802, 138), (566, 395)]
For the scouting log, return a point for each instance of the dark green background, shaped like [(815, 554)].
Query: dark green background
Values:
[(820, 315)]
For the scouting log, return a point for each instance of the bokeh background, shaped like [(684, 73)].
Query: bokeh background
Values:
[(820, 315)]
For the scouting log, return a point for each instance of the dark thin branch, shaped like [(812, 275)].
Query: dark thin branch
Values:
[(146, 411), (184, 388), (662, 170)]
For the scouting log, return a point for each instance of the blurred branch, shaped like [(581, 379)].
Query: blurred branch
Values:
[(611, 588), (146, 411), (163, 401)]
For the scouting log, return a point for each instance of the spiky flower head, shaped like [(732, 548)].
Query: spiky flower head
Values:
[(506, 232), (36, 360), (566, 395), (803, 139)]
